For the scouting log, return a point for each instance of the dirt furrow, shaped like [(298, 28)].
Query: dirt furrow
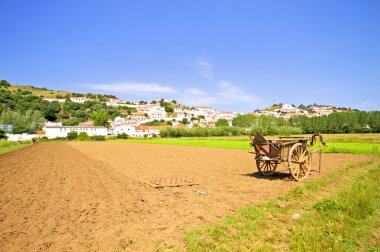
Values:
[(92, 196)]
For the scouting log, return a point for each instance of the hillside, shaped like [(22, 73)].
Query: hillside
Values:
[(46, 93), (309, 107), (25, 108)]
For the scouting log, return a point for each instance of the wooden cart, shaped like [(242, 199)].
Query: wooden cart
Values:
[(292, 151)]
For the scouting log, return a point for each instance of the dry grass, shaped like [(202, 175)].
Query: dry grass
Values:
[(39, 92)]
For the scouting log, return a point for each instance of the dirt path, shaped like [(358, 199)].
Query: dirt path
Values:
[(92, 196)]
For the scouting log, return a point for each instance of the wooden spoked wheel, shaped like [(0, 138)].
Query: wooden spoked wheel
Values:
[(299, 162), (266, 167)]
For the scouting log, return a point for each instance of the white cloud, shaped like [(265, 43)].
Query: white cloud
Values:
[(195, 91), (138, 88), (230, 93), (204, 67), (225, 93)]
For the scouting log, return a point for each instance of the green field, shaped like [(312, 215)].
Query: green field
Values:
[(368, 146), (11, 146)]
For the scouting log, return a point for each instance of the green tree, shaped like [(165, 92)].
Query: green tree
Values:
[(52, 110), (222, 123), (169, 109), (101, 118), (27, 122), (185, 120), (5, 84)]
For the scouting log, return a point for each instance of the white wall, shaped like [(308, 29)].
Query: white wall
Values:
[(21, 137), (54, 132)]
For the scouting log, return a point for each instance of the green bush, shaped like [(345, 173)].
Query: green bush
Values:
[(122, 136), (98, 138), (202, 132), (73, 135), (83, 136)]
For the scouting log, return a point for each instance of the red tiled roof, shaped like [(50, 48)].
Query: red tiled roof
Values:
[(143, 128)]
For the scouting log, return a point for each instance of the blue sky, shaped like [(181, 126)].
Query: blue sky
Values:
[(232, 55)]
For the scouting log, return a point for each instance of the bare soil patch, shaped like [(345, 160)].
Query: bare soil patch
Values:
[(92, 195)]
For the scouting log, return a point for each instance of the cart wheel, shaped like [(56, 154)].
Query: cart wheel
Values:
[(299, 162), (266, 167)]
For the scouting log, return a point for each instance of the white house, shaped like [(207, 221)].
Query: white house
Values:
[(135, 131), (127, 129), (179, 115), (62, 131), (79, 99), (205, 109), (286, 108), (137, 118), (141, 131), (148, 107), (113, 102), (54, 99), (48, 124), (157, 114)]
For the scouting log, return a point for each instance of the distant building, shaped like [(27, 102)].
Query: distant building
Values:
[(79, 99), (54, 99), (48, 124), (86, 124), (62, 131), (286, 108)]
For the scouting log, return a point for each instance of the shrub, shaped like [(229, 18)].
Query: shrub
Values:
[(73, 135), (83, 136), (222, 123), (202, 132), (122, 136), (98, 138)]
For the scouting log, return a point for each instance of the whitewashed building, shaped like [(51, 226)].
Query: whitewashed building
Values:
[(142, 131), (120, 129), (54, 99), (113, 102), (286, 108), (62, 131), (79, 99)]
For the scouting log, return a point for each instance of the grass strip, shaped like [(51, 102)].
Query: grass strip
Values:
[(269, 226), (11, 146), (213, 143), (343, 222), (352, 147)]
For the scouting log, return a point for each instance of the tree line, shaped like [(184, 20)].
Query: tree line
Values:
[(342, 122)]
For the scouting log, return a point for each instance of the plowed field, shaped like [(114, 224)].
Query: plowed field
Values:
[(92, 196)]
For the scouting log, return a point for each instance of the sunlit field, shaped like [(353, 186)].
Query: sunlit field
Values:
[(341, 143)]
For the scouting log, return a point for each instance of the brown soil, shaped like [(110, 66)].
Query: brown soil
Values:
[(92, 196)]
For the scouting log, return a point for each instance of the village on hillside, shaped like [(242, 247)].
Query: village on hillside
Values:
[(149, 118)]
